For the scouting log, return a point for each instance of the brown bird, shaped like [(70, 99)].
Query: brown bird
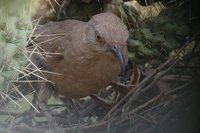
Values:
[(87, 55)]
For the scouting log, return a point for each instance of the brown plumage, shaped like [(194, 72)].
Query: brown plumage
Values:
[(89, 54)]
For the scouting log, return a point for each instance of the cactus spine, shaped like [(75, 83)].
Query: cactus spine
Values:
[(15, 25)]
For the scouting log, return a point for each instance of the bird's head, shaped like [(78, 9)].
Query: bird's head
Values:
[(106, 32)]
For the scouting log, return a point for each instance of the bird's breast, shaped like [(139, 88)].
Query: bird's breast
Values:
[(85, 76)]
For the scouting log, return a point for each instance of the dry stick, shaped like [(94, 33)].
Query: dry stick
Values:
[(116, 121), (83, 127), (178, 88), (147, 79), (132, 112), (121, 119), (141, 107), (145, 104), (28, 115), (156, 97), (138, 92), (24, 113), (141, 90), (138, 87), (31, 114)]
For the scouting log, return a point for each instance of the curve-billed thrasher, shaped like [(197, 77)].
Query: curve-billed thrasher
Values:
[(87, 55)]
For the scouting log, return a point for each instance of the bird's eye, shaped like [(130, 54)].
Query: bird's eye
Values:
[(98, 37)]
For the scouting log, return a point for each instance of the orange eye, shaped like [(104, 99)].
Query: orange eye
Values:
[(98, 38)]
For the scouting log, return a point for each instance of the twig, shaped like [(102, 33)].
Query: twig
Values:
[(145, 104), (145, 81), (114, 122), (141, 91), (138, 87), (178, 88)]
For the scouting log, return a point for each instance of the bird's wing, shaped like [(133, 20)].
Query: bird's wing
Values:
[(52, 38), (49, 42)]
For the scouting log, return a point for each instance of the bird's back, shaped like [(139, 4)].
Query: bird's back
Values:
[(54, 37)]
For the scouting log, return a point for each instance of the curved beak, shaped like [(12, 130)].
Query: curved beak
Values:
[(119, 55)]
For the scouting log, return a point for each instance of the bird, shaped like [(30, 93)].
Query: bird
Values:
[(84, 57)]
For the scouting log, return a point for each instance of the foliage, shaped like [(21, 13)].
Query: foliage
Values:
[(157, 36)]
